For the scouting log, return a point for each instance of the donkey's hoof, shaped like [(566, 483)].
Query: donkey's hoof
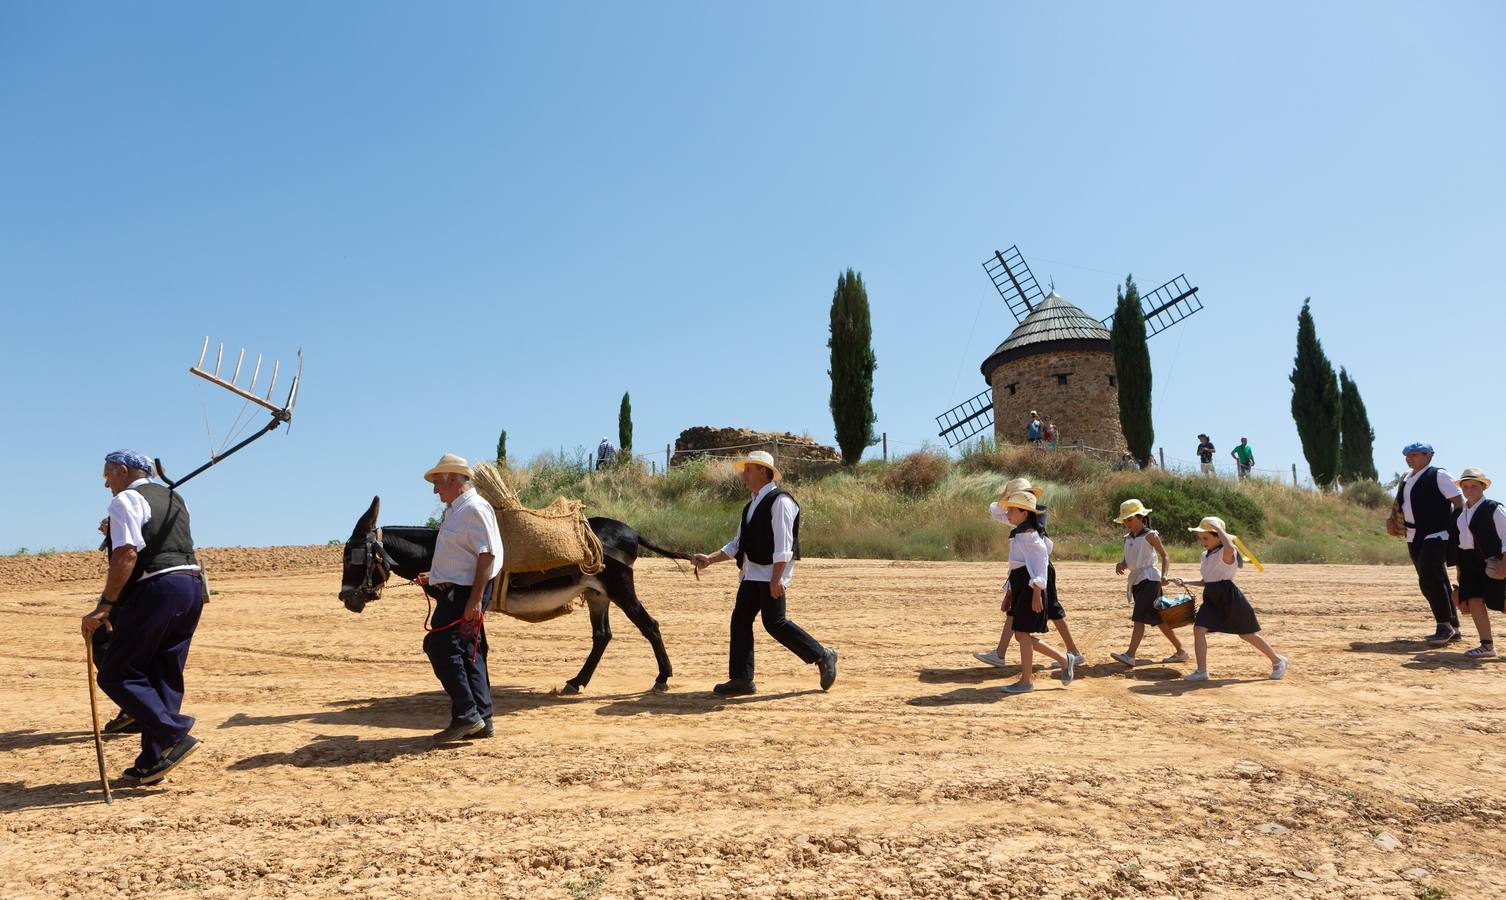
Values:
[(569, 690), (660, 687)]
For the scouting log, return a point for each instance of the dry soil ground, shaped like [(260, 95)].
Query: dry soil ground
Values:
[(1375, 769)]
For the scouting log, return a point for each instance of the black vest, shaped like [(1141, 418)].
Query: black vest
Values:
[(1482, 525), (168, 541), (1431, 511), (755, 540)]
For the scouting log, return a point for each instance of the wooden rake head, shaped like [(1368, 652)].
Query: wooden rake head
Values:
[(283, 413)]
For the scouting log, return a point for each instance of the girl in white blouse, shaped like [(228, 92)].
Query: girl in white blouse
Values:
[(1479, 537), (1029, 562), (1142, 550), (1224, 608)]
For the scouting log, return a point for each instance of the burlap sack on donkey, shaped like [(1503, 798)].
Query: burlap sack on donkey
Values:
[(534, 540)]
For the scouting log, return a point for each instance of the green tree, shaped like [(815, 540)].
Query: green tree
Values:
[(1316, 402), (1356, 438), (502, 446), (1132, 365), (852, 365), (625, 428)]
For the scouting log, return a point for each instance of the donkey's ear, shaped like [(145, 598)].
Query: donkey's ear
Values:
[(368, 519)]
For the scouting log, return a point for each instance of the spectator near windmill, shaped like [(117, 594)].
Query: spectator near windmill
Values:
[(1035, 431), (1049, 433), (1205, 450), (606, 454), (1244, 458)]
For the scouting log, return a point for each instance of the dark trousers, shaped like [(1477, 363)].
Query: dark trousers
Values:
[(1430, 559), (752, 599), (449, 652), (142, 670)]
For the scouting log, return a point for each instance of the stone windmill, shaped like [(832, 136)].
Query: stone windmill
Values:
[(1059, 361)]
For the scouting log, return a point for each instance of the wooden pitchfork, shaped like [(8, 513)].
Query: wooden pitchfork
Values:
[(99, 744)]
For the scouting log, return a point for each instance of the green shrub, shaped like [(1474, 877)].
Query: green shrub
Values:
[(916, 474), (1180, 503), (1368, 494)]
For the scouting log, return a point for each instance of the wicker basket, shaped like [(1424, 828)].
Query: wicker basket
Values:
[(1179, 615)]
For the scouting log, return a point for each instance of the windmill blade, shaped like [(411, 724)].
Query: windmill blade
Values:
[(1014, 282), (1169, 304), (966, 419)]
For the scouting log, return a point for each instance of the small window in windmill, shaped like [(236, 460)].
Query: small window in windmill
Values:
[(1061, 377), (1012, 387), (1113, 382)]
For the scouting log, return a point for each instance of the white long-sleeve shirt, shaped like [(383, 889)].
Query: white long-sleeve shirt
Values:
[(783, 515), (1033, 552), (1467, 537)]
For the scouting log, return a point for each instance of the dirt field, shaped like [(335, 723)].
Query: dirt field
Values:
[(1376, 769)]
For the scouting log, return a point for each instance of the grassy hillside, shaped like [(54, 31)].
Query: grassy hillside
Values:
[(926, 506)]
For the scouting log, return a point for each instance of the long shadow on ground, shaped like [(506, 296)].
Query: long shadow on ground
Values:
[(15, 796), (429, 709), (690, 704)]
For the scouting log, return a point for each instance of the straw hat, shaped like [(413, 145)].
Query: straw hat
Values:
[(1019, 484), (1212, 525), (1020, 500), (449, 464), (1473, 473), (1132, 507), (757, 458)]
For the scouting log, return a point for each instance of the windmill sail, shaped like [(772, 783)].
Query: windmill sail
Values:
[(1166, 305), (1014, 282), (966, 419)]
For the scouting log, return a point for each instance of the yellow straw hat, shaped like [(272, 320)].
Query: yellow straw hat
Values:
[(1016, 485), (1212, 525), (1473, 473), (757, 458), (1021, 500), (449, 464), (1132, 507)]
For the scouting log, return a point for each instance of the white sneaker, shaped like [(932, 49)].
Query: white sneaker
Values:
[(1016, 688), (990, 658), (1067, 672), (1077, 659), (1195, 675), (1176, 657), (1278, 670), (1126, 659)]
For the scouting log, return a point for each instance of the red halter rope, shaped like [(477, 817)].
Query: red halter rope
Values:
[(468, 630)]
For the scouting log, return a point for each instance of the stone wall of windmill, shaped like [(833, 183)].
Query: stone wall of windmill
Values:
[(1075, 388)]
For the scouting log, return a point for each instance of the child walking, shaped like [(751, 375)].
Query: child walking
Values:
[(1054, 609), (1224, 607), (1029, 561), (1142, 549), (1481, 532)]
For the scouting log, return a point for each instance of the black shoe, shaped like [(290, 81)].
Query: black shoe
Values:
[(1445, 634), (170, 760), (1456, 636), (828, 665), (736, 687), (134, 773), (486, 732), (121, 724), (460, 729)]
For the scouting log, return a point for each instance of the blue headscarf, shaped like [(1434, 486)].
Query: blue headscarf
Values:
[(131, 459), (1418, 447)]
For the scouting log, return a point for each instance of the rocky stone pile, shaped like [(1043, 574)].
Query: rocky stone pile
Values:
[(704, 440)]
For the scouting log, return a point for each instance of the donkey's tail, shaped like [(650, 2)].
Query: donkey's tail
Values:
[(670, 554)]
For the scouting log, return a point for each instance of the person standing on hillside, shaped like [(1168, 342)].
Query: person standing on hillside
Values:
[(153, 598), (1035, 432), (606, 454), (1205, 455), (467, 556), (1426, 501), (1244, 458), (1048, 434), (766, 546)]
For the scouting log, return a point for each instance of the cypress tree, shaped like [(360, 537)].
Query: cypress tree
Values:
[(1133, 373), (625, 428), (502, 446), (1316, 403), (1357, 438), (852, 365)]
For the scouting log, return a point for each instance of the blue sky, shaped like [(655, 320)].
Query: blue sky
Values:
[(475, 217)]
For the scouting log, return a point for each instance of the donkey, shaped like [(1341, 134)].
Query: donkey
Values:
[(373, 554)]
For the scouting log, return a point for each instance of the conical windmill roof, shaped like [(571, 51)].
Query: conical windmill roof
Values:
[(1054, 324)]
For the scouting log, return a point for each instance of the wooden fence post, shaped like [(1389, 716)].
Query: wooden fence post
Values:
[(1163, 458), (666, 459), (886, 446), (1294, 475)]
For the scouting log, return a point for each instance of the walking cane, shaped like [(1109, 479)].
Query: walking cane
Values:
[(99, 744)]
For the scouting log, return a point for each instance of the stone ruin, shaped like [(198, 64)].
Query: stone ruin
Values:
[(734, 442)]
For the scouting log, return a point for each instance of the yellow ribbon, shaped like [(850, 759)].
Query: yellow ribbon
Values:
[(1245, 552)]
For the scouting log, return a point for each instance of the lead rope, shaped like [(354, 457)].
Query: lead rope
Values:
[(471, 630)]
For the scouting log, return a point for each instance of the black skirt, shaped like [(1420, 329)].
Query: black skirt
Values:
[(1146, 593), (1474, 584), (1025, 618), (1226, 610), (1054, 608)]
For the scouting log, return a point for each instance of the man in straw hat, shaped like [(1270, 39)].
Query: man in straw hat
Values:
[(1426, 502), (1480, 534), (766, 546), (467, 556), (152, 599)]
